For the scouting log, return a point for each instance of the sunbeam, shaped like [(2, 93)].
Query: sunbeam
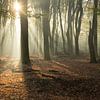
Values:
[(17, 6), (16, 41)]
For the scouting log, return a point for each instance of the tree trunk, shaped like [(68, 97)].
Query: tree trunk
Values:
[(46, 29), (52, 42), (69, 33), (78, 21), (63, 38), (95, 29), (24, 33), (77, 45), (91, 46), (93, 34)]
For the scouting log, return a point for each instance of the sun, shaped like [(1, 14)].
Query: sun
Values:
[(17, 7)]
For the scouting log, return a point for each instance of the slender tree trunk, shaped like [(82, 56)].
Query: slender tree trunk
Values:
[(91, 46), (93, 34), (69, 30), (62, 31), (52, 43), (24, 33), (46, 29), (77, 45), (78, 21), (95, 29), (56, 36)]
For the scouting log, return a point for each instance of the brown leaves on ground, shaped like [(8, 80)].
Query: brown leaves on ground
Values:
[(60, 79)]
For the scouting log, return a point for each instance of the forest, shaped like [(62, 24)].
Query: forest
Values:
[(49, 49)]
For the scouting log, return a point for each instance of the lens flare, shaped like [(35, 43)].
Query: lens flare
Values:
[(17, 7)]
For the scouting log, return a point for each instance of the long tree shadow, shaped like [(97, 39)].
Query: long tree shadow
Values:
[(35, 82), (41, 86)]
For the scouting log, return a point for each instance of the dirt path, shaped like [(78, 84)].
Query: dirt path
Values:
[(60, 79)]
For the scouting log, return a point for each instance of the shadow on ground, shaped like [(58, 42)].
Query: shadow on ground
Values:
[(49, 84), (45, 80)]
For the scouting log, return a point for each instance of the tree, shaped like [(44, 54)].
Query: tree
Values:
[(92, 33), (24, 33), (78, 21), (69, 33), (62, 31), (54, 14), (46, 28)]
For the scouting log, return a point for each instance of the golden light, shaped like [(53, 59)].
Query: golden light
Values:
[(17, 7), (16, 38)]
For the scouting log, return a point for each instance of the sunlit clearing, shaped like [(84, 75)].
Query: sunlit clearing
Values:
[(17, 7)]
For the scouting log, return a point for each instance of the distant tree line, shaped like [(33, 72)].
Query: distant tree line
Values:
[(66, 16)]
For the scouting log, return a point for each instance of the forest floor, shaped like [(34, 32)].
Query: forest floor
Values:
[(62, 78)]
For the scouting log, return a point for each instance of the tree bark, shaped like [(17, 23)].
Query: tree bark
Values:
[(24, 33), (46, 29), (52, 42), (91, 46), (63, 38), (95, 29), (78, 21), (93, 34), (69, 33)]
